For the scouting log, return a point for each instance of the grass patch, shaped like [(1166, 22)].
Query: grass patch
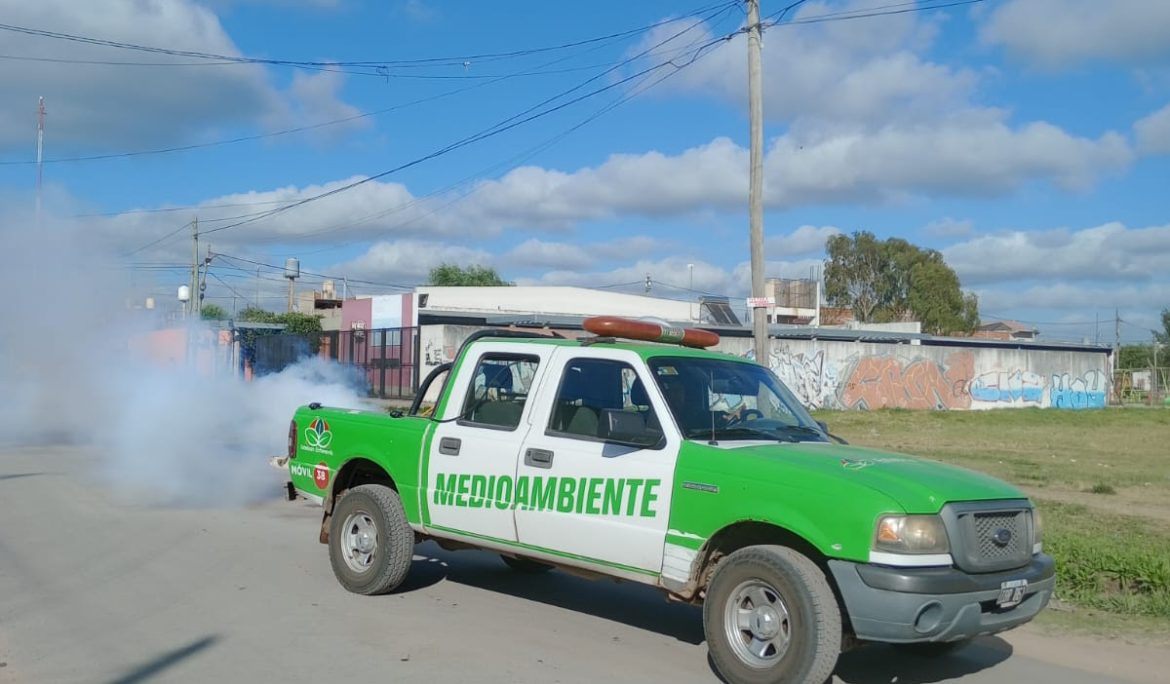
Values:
[(1116, 563), (1100, 478)]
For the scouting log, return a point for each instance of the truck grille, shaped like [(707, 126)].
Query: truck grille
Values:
[(989, 536)]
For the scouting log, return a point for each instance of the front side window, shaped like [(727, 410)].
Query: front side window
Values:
[(730, 400), (499, 390), (595, 395)]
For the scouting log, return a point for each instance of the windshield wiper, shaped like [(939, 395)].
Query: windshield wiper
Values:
[(733, 432), (813, 431)]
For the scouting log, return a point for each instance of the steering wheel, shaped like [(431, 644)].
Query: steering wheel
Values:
[(745, 415)]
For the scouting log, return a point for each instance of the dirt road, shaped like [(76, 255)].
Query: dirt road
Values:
[(93, 589)]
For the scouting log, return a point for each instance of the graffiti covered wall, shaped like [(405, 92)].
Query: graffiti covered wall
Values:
[(854, 375)]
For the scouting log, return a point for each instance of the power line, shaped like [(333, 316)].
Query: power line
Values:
[(503, 126), (459, 60), (518, 159), (317, 275), (155, 242), (865, 13)]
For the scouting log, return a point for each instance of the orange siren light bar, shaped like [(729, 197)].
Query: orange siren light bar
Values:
[(631, 329)]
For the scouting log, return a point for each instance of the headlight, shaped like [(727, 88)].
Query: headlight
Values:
[(911, 534), (1037, 531)]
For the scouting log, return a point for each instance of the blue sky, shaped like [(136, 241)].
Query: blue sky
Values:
[(1029, 140)]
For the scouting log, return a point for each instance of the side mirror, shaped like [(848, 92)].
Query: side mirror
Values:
[(628, 428), (824, 426)]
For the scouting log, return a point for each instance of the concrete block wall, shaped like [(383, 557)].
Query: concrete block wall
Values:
[(866, 375), (855, 375)]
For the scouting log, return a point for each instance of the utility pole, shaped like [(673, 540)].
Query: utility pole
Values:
[(203, 277), (192, 305), (756, 184), (1117, 331), (40, 154), (1154, 371)]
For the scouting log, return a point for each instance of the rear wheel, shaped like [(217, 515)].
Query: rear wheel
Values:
[(370, 543), (770, 616), (525, 565)]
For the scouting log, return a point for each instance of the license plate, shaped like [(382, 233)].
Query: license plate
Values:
[(1011, 593)]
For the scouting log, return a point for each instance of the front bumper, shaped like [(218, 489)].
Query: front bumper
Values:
[(936, 604)]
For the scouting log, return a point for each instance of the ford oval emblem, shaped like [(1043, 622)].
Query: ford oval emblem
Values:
[(1002, 537)]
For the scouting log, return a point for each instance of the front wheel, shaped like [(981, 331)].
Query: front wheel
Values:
[(770, 616), (371, 545)]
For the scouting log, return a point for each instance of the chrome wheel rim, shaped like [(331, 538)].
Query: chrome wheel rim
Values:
[(359, 541), (757, 624)]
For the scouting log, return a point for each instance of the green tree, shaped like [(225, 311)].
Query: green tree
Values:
[(254, 314), (213, 312), (891, 280), (296, 323), (460, 276), (1132, 356), (1164, 336), (854, 273)]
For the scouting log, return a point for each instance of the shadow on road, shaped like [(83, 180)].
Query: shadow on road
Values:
[(165, 661), (17, 476), (883, 663), (629, 603)]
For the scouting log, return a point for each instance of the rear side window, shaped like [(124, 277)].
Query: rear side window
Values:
[(499, 390), (590, 386)]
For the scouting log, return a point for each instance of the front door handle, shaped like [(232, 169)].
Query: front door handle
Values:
[(449, 446), (538, 458)]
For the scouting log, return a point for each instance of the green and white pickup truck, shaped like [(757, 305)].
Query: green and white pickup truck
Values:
[(692, 471)]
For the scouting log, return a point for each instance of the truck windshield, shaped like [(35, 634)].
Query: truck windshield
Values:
[(731, 400)]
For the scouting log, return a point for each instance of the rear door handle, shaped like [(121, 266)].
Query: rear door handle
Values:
[(449, 446), (538, 458)]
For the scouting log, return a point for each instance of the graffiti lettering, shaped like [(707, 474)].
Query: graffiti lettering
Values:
[(1008, 387), (810, 377), (1086, 391), (887, 382)]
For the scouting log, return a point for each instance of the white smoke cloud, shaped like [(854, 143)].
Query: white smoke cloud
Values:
[(191, 440), (162, 434)]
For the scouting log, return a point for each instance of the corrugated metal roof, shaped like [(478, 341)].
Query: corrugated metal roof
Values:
[(789, 332)]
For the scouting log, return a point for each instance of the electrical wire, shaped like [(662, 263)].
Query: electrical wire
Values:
[(487, 79), (511, 163), (152, 243), (505, 125), (459, 60), (866, 13)]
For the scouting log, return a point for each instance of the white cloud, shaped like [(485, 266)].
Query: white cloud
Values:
[(949, 228), (133, 107), (315, 98), (977, 156), (553, 255), (420, 10), (980, 157), (408, 261), (1077, 298), (1060, 33), (1153, 132), (862, 72), (803, 240), (1110, 252)]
